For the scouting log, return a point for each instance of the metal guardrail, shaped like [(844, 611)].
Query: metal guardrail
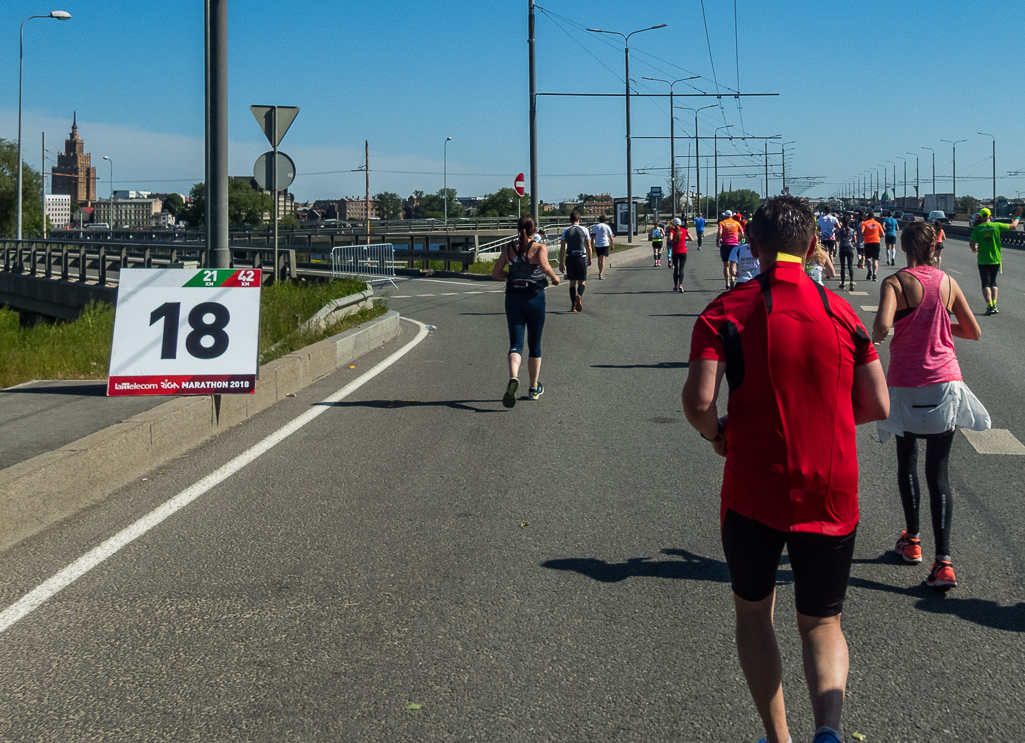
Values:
[(370, 263), (1013, 238)]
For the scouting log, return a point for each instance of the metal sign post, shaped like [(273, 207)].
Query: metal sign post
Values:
[(275, 121)]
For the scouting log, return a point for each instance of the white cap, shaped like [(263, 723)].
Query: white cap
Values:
[(677, 221), (728, 213)]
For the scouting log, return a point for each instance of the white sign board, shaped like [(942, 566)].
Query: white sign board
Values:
[(185, 332)]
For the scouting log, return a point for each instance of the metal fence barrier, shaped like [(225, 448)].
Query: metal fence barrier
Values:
[(370, 263)]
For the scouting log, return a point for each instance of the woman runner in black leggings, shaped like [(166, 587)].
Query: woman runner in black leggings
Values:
[(928, 398), (847, 238)]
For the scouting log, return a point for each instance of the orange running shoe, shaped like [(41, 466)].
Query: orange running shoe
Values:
[(908, 548), (941, 576), (580, 304)]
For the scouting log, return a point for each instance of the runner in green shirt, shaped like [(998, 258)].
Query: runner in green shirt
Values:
[(985, 241)]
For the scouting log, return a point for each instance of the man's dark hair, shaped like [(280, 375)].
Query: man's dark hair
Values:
[(601, 217), (574, 216), (782, 224)]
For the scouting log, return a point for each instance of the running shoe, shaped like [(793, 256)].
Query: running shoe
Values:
[(580, 304), (989, 311), (601, 276), (850, 285), (509, 398), (941, 576), (995, 310), (841, 285), (909, 548), (826, 735), (535, 392), (875, 277)]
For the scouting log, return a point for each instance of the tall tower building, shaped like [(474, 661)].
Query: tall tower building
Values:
[(73, 174)]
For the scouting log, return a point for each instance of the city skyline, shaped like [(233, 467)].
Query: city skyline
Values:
[(374, 74)]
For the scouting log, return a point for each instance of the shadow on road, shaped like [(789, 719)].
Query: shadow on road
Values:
[(986, 613), (691, 567), (393, 404), (660, 365), (81, 389), (680, 314)]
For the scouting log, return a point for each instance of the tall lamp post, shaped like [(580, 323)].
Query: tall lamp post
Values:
[(953, 177), (933, 167), (783, 152), (715, 145), (984, 134), (105, 157), (444, 188), (894, 194), (917, 163), (59, 15), (697, 149), (672, 133), (629, 164), (905, 161)]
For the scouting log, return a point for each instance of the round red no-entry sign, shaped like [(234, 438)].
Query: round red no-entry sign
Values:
[(518, 184)]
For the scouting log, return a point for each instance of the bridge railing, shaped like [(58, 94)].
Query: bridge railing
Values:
[(1013, 237)]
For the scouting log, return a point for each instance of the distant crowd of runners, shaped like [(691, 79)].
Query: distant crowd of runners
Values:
[(802, 372)]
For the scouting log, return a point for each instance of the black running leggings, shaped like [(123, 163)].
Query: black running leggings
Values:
[(846, 261), (679, 261), (937, 456)]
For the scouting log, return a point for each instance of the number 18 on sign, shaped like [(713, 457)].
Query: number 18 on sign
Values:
[(185, 332)]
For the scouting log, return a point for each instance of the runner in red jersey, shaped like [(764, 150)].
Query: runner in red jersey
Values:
[(802, 374)]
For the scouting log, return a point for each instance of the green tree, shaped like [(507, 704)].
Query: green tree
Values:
[(389, 205), (31, 187), (245, 204), (502, 203), (174, 204), (967, 205)]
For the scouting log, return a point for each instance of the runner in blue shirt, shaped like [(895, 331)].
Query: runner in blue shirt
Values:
[(699, 225), (890, 227)]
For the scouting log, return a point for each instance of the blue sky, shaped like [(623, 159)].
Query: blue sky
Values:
[(859, 84)]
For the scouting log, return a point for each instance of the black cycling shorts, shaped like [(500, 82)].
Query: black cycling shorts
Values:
[(988, 273), (872, 251), (821, 564), (576, 267), (724, 252), (602, 250), (891, 240)]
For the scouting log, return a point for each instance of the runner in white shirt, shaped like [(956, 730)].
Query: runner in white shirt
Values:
[(743, 265), (828, 225), (602, 235)]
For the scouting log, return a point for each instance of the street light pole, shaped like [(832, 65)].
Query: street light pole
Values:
[(672, 133), (994, 171), (59, 15), (629, 163), (905, 161), (953, 178), (933, 168), (783, 152), (918, 194), (532, 66), (111, 192), (445, 181), (715, 144)]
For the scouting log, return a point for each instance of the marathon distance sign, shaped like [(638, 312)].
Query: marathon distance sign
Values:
[(185, 332)]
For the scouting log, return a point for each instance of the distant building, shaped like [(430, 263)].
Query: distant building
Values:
[(58, 209), (134, 213), (351, 207), (286, 201), (132, 194), (472, 203), (73, 174)]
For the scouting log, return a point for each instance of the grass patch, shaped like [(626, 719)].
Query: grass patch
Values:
[(297, 341), (62, 350), (81, 349)]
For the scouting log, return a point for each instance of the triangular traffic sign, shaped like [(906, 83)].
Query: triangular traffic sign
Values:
[(274, 120)]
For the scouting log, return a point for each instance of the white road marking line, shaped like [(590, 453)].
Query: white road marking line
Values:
[(451, 283), (497, 291), (449, 294), (870, 307), (400, 296), (57, 583), (951, 270), (426, 295), (994, 441), (858, 294), (473, 292)]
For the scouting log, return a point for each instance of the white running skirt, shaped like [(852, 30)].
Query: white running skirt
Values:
[(935, 408)]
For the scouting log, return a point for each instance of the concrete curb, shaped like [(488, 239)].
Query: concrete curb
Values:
[(52, 486)]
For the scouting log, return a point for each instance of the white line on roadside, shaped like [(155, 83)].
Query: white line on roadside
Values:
[(57, 583), (426, 295), (951, 270), (858, 294), (451, 283), (994, 441), (870, 307)]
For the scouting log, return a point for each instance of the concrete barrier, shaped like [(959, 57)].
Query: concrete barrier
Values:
[(52, 486)]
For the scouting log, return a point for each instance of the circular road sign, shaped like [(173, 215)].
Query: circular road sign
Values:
[(518, 184), (262, 171)]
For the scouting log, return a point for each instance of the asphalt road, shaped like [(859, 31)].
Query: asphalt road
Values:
[(550, 572)]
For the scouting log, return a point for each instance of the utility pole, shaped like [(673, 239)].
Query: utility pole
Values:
[(217, 133), (42, 189), (366, 167), (532, 64), (994, 171), (766, 170)]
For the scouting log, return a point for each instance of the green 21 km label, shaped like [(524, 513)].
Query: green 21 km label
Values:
[(211, 277)]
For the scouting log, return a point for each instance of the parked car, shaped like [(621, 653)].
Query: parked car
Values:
[(937, 216)]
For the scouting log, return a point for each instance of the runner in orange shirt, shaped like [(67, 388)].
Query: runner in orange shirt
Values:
[(873, 233), (727, 238)]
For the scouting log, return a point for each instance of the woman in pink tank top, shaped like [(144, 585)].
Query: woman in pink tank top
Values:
[(928, 398)]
